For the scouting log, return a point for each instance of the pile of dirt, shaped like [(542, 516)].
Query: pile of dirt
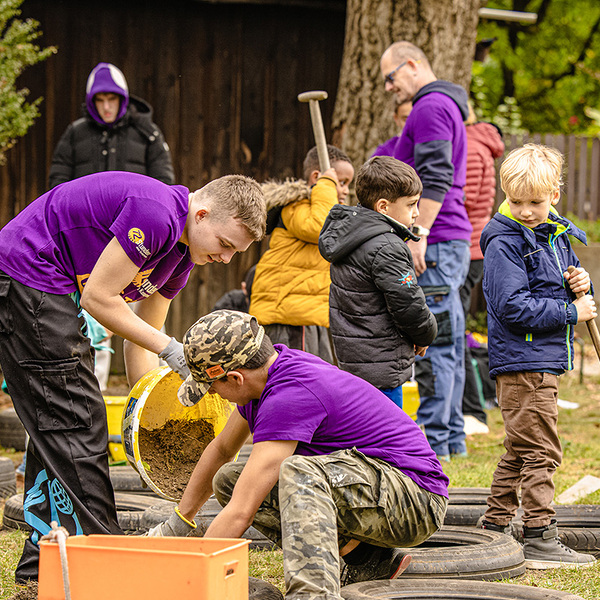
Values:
[(172, 451), (28, 592)]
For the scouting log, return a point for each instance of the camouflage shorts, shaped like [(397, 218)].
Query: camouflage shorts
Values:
[(322, 502)]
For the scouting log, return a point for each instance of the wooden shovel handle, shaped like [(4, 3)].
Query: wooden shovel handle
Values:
[(591, 324)]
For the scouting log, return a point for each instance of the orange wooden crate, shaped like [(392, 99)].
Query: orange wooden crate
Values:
[(152, 568)]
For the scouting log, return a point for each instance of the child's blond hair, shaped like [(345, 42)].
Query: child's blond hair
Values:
[(531, 171)]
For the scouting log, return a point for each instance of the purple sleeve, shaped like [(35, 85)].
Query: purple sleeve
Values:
[(433, 148), (142, 227), (178, 280)]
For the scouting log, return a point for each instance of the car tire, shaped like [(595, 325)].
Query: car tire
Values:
[(157, 514), (262, 590), (448, 589), (456, 552), (464, 515), (8, 478), (125, 478), (567, 515), (12, 432), (586, 540), (468, 495), (130, 510)]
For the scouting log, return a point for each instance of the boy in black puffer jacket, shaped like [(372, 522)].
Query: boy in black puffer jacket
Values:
[(378, 315)]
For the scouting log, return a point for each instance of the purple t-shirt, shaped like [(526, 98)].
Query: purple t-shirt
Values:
[(53, 244), (326, 409)]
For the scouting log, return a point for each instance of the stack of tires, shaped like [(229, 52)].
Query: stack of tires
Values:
[(460, 561), (12, 432), (463, 562), (578, 524), (8, 481)]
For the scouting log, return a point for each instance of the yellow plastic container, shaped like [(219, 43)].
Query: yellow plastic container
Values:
[(151, 403), (410, 399), (115, 405), (152, 568)]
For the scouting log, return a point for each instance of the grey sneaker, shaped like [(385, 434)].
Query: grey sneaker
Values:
[(543, 549), (384, 563)]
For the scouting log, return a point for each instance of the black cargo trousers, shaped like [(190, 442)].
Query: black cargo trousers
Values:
[(48, 365)]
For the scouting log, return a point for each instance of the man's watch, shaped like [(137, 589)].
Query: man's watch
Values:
[(420, 231)]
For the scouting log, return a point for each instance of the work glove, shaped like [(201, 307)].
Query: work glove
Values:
[(174, 526), (174, 357)]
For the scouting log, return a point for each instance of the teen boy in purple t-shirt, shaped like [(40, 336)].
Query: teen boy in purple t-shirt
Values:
[(121, 246), (336, 469)]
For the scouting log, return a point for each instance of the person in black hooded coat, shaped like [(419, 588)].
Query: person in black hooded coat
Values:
[(116, 133), (125, 139)]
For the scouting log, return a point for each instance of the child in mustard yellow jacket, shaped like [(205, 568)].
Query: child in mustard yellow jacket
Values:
[(290, 293)]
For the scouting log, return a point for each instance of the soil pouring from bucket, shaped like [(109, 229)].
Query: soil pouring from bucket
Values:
[(162, 439)]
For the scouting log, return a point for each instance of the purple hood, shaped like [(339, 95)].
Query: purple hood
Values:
[(106, 78)]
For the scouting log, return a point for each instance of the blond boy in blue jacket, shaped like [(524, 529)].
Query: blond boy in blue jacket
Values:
[(532, 308)]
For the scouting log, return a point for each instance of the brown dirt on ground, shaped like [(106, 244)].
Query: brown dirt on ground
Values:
[(172, 451), (117, 386), (30, 592)]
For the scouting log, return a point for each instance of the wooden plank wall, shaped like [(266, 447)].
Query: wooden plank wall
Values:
[(223, 79)]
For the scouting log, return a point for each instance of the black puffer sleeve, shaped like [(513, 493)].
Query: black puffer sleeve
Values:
[(394, 275)]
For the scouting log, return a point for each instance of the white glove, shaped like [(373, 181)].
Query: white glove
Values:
[(174, 357), (174, 526)]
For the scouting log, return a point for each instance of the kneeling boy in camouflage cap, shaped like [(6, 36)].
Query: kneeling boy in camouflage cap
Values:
[(336, 467)]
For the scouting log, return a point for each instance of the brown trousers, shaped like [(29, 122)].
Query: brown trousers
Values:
[(533, 452)]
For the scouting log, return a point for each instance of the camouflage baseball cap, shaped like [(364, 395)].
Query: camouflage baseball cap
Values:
[(215, 344)]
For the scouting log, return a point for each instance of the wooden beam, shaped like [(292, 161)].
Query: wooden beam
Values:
[(507, 15)]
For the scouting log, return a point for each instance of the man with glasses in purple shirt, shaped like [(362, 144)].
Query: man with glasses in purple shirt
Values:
[(433, 142), (121, 246)]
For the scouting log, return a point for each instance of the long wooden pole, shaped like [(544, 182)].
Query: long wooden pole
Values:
[(591, 324)]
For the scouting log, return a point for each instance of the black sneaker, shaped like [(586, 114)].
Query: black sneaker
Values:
[(511, 529), (384, 563), (483, 524)]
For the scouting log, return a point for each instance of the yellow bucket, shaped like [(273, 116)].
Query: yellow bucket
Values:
[(115, 406), (152, 404), (410, 399)]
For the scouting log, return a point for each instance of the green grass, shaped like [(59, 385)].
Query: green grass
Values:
[(11, 545), (591, 228), (580, 436)]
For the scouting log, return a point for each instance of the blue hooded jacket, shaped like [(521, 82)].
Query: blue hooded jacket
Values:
[(530, 320)]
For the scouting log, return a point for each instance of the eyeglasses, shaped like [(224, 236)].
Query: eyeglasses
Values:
[(389, 78)]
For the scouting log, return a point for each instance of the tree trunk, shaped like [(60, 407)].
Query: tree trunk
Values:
[(444, 29)]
